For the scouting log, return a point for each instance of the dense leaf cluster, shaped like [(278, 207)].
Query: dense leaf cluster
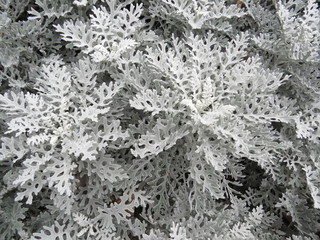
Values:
[(169, 119)]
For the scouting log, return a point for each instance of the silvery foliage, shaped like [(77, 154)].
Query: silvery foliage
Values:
[(169, 119)]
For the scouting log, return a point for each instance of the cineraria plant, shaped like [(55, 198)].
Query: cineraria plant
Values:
[(166, 119)]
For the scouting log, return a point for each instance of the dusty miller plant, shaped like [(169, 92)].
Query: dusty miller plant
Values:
[(169, 119)]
